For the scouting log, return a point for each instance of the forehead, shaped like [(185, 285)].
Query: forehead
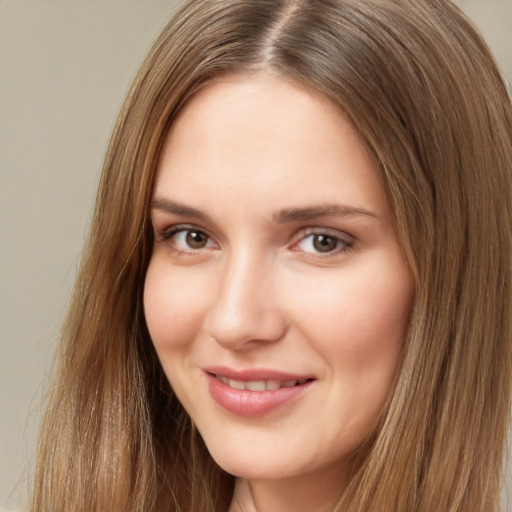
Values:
[(266, 135)]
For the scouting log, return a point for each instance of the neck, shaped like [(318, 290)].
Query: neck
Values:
[(306, 493)]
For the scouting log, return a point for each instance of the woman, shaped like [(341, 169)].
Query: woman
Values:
[(296, 291)]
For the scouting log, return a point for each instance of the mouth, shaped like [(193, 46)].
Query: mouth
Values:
[(255, 392), (260, 385)]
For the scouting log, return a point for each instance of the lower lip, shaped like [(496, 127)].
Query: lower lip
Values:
[(253, 403)]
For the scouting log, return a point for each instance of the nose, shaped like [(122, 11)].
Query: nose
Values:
[(245, 311)]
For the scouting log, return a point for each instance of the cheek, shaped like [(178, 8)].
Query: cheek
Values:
[(360, 319), (172, 307)]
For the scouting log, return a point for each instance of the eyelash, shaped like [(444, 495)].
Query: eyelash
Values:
[(343, 243), (169, 233)]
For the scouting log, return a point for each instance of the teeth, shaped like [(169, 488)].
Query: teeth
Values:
[(236, 384), (260, 385), (255, 385), (273, 384)]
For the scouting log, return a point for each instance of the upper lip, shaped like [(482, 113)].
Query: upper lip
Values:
[(255, 374)]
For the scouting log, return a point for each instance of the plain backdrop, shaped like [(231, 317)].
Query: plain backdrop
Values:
[(65, 67)]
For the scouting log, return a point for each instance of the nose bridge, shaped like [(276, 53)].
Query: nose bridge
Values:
[(244, 308)]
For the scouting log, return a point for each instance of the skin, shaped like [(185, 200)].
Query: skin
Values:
[(258, 290)]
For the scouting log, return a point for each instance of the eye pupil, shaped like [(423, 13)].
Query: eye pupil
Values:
[(324, 243), (196, 239)]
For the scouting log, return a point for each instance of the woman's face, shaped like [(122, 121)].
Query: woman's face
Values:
[(277, 296)]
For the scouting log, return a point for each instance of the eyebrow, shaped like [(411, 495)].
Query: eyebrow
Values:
[(169, 206), (324, 210), (283, 216)]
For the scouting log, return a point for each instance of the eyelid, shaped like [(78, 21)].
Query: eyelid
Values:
[(320, 230), (347, 239), (165, 235)]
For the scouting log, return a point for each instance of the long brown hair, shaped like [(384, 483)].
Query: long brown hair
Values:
[(423, 91)]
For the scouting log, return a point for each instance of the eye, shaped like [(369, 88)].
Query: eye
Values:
[(322, 243), (187, 239)]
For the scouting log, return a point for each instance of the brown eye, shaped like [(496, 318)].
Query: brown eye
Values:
[(325, 243), (185, 239), (196, 239)]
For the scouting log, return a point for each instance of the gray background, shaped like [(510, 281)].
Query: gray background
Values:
[(65, 67)]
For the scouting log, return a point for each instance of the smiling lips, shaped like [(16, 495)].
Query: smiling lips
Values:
[(255, 392), (260, 385)]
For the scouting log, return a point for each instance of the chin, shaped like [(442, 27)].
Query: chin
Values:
[(253, 464), (273, 461)]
